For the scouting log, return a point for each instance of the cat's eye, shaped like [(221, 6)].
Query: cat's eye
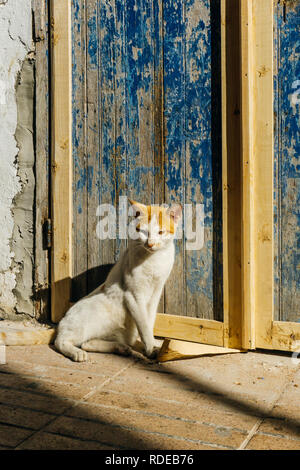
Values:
[(161, 232), (138, 229)]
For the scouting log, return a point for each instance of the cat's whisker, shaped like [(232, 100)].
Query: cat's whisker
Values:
[(149, 251)]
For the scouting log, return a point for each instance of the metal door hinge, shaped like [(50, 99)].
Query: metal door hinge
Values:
[(47, 234)]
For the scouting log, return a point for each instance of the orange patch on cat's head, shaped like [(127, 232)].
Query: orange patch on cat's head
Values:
[(167, 217)]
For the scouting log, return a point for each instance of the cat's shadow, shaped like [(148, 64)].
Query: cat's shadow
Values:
[(84, 283)]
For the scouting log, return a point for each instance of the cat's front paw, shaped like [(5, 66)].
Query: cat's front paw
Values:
[(80, 356), (153, 353), (123, 350)]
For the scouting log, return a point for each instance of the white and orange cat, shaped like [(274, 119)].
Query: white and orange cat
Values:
[(125, 306)]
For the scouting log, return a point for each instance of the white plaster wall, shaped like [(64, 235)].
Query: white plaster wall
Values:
[(15, 44)]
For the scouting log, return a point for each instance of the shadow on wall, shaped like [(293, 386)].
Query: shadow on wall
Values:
[(89, 280)]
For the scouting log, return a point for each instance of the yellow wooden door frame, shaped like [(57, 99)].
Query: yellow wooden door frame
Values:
[(260, 329), (247, 179)]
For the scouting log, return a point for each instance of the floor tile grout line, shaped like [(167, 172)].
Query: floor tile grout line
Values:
[(74, 405), (155, 415), (81, 439), (18, 426), (279, 436), (50, 381), (61, 368), (27, 408), (156, 433)]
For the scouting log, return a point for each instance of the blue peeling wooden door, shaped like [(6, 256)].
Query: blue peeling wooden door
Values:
[(287, 160), (146, 76)]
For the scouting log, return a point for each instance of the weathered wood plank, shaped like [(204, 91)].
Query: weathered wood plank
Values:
[(286, 336), (199, 190), (80, 171), (157, 28), (140, 128), (286, 161), (173, 88), (187, 328), (148, 82), (93, 143), (120, 153), (42, 155), (107, 117), (191, 174)]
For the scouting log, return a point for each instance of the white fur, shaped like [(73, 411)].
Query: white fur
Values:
[(125, 306)]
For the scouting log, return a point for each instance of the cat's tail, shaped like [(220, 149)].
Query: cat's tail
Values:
[(21, 335)]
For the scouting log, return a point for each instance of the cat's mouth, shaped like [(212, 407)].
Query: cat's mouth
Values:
[(151, 249)]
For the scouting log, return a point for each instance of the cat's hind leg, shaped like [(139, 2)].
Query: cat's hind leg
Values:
[(67, 348), (100, 345)]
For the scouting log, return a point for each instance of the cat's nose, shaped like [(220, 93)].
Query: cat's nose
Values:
[(150, 245)]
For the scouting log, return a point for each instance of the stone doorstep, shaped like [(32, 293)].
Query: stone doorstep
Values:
[(25, 333)]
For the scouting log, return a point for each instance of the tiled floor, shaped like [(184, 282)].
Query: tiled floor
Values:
[(238, 401)]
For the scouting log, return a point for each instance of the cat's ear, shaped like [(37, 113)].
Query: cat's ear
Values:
[(175, 211), (136, 208)]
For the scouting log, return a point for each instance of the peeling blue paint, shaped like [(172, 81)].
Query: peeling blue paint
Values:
[(287, 159), (93, 40), (147, 132)]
